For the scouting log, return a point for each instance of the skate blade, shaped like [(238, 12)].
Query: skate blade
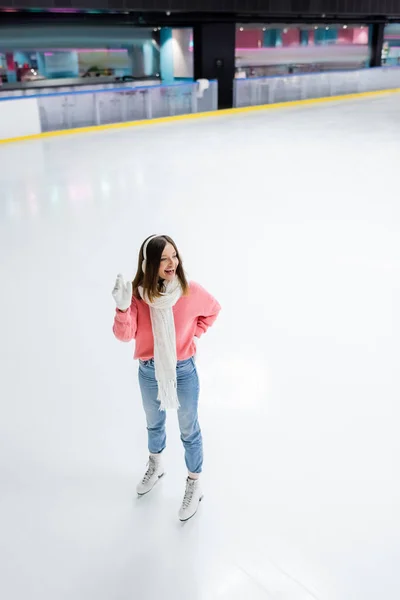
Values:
[(152, 488), (194, 514)]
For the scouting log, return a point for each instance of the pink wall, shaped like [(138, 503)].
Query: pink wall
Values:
[(10, 61), (360, 36), (291, 37), (253, 38), (353, 36), (249, 38), (345, 36)]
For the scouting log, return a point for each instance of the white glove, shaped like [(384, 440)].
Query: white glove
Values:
[(122, 293)]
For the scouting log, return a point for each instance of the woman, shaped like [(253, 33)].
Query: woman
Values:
[(163, 313)]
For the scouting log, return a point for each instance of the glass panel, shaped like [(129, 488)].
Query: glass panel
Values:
[(70, 110), (267, 90), (264, 50), (391, 45)]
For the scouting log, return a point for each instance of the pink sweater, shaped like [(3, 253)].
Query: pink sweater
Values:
[(193, 315)]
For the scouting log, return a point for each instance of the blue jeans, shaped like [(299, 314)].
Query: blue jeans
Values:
[(188, 394)]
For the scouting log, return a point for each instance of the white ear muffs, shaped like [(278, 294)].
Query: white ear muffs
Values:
[(144, 263)]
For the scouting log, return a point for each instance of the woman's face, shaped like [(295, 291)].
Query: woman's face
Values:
[(169, 263)]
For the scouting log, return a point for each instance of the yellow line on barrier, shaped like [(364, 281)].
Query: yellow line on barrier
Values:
[(214, 113)]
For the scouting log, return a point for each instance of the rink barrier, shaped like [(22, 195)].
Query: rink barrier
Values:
[(215, 113), (259, 91), (24, 116)]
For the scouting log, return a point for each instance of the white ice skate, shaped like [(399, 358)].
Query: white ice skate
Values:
[(153, 474), (191, 500)]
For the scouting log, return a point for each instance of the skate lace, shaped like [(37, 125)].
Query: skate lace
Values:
[(188, 494), (151, 467)]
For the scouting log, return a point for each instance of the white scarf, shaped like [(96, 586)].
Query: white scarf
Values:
[(165, 359)]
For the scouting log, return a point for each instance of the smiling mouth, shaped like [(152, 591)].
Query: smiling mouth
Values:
[(170, 271)]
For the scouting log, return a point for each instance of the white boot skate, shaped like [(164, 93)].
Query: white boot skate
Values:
[(193, 497), (153, 474)]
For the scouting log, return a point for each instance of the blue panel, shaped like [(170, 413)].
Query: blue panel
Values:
[(325, 36), (304, 37), (167, 55), (272, 38), (22, 58)]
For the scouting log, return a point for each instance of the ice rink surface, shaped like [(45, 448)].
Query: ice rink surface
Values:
[(291, 218)]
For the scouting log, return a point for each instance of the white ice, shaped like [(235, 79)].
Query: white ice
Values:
[(291, 218)]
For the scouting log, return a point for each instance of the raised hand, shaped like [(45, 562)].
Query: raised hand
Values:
[(122, 293)]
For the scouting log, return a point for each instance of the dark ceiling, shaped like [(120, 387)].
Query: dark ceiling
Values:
[(186, 12)]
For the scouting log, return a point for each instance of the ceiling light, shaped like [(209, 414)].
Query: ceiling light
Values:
[(241, 29), (344, 26), (264, 29)]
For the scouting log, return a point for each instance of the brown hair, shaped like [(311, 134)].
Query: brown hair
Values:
[(150, 281)]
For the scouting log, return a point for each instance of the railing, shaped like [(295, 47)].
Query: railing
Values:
[(269, 90), (57, 86), (35, 114), (58, 111), (82, 109)]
